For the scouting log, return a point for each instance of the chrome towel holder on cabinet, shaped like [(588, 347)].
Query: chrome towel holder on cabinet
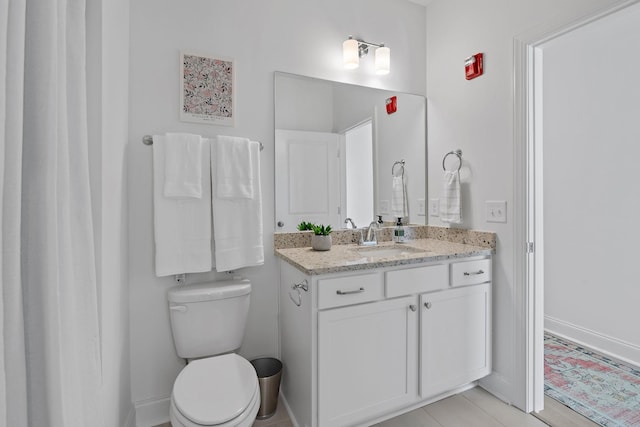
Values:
[(458, 153)]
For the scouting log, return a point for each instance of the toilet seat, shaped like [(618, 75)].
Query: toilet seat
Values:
[(246, 419), (216, 391)]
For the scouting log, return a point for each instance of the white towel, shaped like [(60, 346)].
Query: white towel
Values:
[(182, 227), (399, 207), (450, 206), (183, 165), (234, 175), (237, 223)]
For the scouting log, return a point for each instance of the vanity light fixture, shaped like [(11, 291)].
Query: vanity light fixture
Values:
[(353, 50)]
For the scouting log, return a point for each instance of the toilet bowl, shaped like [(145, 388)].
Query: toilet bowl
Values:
[(219, 391)]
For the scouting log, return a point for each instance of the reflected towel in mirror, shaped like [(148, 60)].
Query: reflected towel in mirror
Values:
[(399, 208)]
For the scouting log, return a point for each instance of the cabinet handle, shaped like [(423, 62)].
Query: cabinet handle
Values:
[(357, 291), (412, 307), (466, 273), (428, 305)]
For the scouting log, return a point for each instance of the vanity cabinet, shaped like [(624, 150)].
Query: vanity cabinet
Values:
[(454, 338), (366, 360), (361, 346)]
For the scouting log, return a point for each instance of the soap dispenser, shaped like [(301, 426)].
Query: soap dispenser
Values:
[(398, 232)]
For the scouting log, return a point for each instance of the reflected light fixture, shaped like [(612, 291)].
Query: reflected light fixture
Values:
[(353, 50)]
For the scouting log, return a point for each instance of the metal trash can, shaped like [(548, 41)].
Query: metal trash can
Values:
[(269, 371)]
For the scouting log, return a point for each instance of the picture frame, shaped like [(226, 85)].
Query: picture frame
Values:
[(207, 89)]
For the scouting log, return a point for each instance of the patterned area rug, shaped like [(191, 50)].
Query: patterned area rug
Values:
[(604, 390)]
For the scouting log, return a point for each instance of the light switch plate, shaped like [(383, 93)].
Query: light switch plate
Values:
[(496, 211), (421, 207), (384, 207), (434, 207)]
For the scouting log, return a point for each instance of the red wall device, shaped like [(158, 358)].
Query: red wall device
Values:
[(473, 66), (392, 105)]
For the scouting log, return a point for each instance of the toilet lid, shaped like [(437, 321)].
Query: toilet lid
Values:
[(216, 389)]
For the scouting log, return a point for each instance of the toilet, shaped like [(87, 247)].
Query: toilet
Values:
[(217, 387)]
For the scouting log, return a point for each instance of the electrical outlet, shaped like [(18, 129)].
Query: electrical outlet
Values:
[(434, 207), (421, 207), (384, 207), (496, 211)]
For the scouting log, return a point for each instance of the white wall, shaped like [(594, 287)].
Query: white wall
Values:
[(107, 91), (591, 200), (263, 36), (477, 116)]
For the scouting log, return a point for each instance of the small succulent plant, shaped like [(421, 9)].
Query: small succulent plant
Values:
[(305, 226), (321, 230)]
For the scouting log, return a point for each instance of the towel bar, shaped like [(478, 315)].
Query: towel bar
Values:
[(148, 140), (458, 153)]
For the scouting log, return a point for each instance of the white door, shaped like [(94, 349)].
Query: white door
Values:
[(455, 338), (367, 360), (307, 179)]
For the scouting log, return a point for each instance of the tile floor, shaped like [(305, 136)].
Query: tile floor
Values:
[(474, 407)]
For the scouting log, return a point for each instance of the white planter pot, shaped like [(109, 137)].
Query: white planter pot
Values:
[(321, 243)]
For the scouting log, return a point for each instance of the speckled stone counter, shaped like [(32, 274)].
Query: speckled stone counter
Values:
[(413, 232), (351, 257)]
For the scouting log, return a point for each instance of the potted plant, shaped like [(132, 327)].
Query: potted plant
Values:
[(321, 239), (305, 226)]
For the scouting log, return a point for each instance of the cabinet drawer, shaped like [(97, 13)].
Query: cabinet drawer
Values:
[(470, 272), (349, 290), (416, 280)]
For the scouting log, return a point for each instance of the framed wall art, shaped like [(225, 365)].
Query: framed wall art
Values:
[(207, 92)]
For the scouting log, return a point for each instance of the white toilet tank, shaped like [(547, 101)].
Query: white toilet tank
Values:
[(208, 319)]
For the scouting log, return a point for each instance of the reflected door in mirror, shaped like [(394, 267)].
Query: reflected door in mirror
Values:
[(308, 167)]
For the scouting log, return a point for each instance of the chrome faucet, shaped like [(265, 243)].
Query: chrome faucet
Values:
[(374, 226), (349, 220)]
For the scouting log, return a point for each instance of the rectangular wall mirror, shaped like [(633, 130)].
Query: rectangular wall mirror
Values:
[(335, 148)]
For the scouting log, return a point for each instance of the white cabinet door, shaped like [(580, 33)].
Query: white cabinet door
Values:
[(367, 360), (455, 346)]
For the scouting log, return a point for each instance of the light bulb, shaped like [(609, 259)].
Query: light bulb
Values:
[(383, 60), (350, 56)]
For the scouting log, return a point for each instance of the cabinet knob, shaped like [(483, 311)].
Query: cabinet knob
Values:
[(428, 305), (412, 307), (280, 224)]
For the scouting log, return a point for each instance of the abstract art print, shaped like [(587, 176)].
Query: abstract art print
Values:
[(207, 89)]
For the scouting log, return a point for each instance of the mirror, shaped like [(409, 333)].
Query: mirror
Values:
[(335, 149)]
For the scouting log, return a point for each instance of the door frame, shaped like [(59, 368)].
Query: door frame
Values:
[(528, 223)]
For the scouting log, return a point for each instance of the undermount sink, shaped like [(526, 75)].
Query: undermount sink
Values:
[(387, 251)]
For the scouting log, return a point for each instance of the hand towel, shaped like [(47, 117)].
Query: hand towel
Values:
[(450, 205), (183, 165), (234, 174), (182, 226), (399, 207), (237, 223)]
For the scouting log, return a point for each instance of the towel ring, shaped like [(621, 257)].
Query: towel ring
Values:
[(458, 153), (393, 168)]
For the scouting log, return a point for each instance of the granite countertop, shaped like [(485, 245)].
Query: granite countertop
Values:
[(351, 257)]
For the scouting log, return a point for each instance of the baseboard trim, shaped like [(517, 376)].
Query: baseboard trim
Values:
[(499, 386), (130, 420), (607, 345), (152, 412), (283, 400)]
